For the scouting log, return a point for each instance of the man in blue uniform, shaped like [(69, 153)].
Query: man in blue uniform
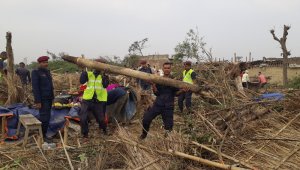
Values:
[(163, 104), (94, 99), (144, 68), (188, 76), (42, 88), (23, 73)]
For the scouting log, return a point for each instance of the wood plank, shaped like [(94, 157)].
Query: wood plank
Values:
[(6, 114)]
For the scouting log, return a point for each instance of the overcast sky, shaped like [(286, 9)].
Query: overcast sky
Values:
[(108, 27)]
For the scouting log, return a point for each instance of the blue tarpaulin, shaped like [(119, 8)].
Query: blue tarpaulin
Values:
[(271, 96), (57, 120)]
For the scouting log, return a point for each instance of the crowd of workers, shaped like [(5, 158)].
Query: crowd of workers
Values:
[(95, 94)]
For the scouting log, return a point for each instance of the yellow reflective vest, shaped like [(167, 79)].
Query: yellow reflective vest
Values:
[(187, 77), (94, 85)]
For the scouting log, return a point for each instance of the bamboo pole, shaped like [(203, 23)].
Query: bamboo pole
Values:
[(64, 147), (132, 73), (224, 155), (204, 161), (38, 145)]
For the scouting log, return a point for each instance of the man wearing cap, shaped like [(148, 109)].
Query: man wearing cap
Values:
[(144, 68), (42, 88), (189, 76), (94, 99)]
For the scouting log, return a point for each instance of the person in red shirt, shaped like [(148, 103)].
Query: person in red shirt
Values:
[(262, 79)]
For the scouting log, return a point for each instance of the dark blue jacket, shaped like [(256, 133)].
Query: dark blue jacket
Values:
[(165, 96), (24, 75), (42, 85), (145, 85)]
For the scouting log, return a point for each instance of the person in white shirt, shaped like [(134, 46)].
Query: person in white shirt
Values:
[(245, 79)]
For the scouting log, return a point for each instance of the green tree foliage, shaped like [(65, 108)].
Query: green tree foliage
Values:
[(136, 47), (131, 61), (59, 66), (193, 47), (294, 83), (178, 57)]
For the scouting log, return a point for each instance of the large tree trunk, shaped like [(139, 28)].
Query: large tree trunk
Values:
[(9, 53), (10, 78), (131, 73)]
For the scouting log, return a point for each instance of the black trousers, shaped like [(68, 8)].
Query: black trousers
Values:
[(45, 115), (245, 84), (98, 110), (166, 113), (187, 96)]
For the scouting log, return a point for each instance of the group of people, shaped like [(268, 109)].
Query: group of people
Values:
[(95, 95), (246, 80)]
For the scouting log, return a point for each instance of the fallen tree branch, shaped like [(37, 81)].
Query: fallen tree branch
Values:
[(204, 161), (224, 155), (216, 131)]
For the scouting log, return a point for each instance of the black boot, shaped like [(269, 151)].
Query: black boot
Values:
[(143, 136)]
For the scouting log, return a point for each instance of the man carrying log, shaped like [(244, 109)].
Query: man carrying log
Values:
[(188, 76), (163, 104), (42, 88), (94, 99)]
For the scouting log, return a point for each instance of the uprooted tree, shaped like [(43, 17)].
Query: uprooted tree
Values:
[(285, 52), (193, 47)]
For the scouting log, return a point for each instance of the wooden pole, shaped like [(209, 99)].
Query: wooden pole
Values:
[(224, 155), (204, 161), (68, 157), (131, 73)]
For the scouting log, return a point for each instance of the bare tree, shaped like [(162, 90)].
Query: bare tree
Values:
[(137, 47), (285, 52)]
